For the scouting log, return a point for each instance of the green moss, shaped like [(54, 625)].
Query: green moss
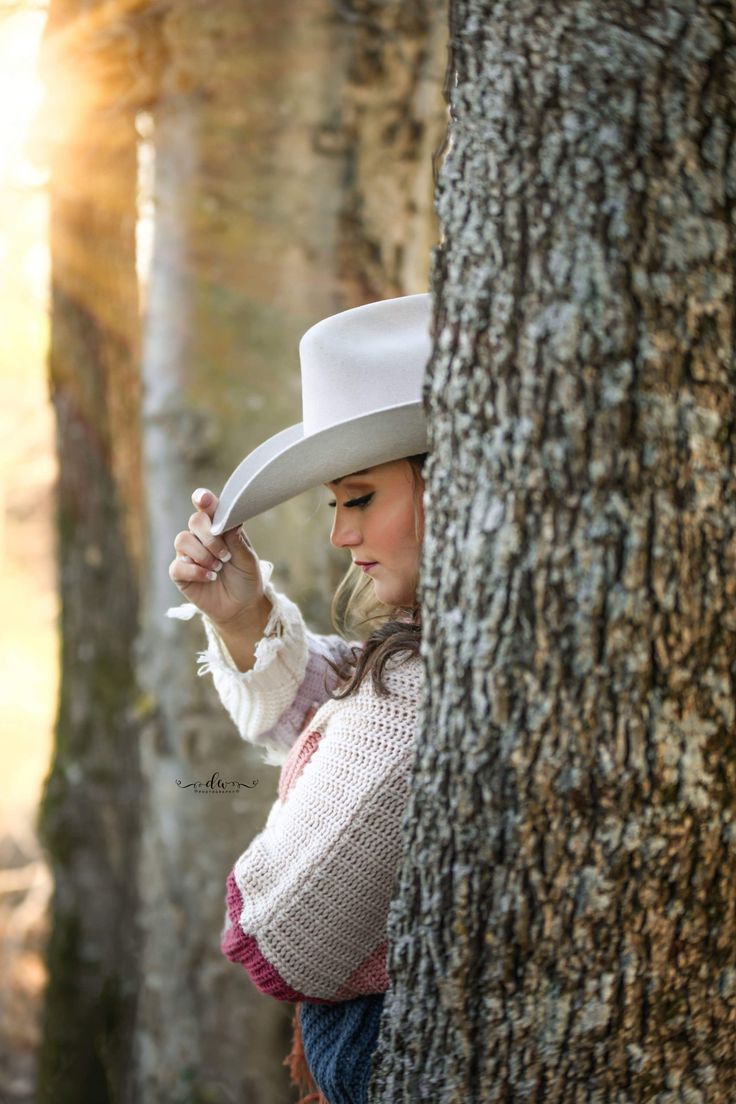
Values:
[(189, 1092), (68, 1058), (83, 1050)]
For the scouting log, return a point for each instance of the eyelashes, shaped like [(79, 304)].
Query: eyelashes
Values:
[(356, 501)]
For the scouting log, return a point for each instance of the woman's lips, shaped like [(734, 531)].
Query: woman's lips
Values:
[(367, 566)]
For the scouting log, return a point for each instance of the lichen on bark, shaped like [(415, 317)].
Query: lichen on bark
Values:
[(564, 927)]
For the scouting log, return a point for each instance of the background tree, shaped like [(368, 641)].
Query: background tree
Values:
[(89, 820), (565, 922), (290, 147)]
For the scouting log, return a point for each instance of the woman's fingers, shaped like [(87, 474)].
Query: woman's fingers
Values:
[(190, 548), (183, 570), (200, 523), (206, 550), (201, 557), (206, 500)]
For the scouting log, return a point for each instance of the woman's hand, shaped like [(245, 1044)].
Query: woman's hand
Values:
[(220, 575)]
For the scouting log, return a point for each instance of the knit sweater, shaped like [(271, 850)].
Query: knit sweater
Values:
[(307, 901)]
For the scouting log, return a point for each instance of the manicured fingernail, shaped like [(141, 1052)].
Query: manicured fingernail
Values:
[(212, 575), (218, 567), (225, 556), (200, 495)]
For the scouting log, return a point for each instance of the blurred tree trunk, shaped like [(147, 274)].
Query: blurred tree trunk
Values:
[(565, 926), (89, 818), (276, 201), (391, 125)]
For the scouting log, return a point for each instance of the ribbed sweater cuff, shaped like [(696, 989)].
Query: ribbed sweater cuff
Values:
[(256, 698)]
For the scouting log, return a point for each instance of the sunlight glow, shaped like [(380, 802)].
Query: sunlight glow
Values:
[(21, 92)]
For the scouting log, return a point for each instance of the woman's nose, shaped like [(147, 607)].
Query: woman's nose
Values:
[(345, 533)]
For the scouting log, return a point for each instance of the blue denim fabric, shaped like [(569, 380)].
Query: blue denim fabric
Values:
[(339, 1041)]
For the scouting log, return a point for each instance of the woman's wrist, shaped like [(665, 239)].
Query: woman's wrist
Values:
[(241, 634)]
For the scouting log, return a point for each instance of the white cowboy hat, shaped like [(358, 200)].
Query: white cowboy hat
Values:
[(362, 377)]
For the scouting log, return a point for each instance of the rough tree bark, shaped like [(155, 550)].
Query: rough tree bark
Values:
[(565, 921)]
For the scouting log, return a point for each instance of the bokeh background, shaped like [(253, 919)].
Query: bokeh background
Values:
[(28, 595), (186, 187)]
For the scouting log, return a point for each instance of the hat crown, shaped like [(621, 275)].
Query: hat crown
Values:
[(366, 359), (362, 380)]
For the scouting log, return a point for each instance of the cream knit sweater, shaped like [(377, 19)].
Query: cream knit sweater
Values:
[(307, 901)]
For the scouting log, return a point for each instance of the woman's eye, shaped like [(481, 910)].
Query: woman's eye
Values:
[(356, 501)]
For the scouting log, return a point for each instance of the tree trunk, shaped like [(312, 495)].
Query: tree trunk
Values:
[(89, 817), (392, 122), (565, 923)]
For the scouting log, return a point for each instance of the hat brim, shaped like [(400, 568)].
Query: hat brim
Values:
[(289, 463)]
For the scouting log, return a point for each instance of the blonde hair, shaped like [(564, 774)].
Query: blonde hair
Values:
[(355, 612)]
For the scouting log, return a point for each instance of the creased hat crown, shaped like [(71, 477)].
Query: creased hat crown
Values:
[(364, 359)]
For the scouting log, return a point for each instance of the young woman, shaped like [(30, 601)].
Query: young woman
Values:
[(307, 901)]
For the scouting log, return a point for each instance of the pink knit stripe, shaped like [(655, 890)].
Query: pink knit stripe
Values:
[(370, 977), (300, 754), (242, 948)]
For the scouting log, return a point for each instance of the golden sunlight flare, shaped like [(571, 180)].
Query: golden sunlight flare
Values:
[(28, 637), (21, 91)]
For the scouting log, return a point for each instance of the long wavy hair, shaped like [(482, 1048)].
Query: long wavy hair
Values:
[(385, 630)]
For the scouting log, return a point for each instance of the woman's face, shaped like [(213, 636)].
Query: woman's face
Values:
[(375, 519)]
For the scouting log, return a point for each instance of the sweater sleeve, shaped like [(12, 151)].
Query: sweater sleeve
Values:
[(290, 680), (307, 902)]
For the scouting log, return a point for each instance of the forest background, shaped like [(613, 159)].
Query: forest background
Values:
[(285, 154), (214, 178)]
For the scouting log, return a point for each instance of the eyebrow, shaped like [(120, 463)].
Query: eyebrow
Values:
[(361, 472)]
